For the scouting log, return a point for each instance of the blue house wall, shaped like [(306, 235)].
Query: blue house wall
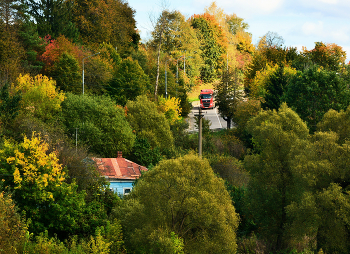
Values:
[(119, 186)]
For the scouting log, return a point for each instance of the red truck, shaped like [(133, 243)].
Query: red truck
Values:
[(207, 99)]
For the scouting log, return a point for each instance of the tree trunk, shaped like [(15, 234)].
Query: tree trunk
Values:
[(158, 60), (228, 121)]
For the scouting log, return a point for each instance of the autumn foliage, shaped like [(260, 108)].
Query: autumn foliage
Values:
[(56, 47)]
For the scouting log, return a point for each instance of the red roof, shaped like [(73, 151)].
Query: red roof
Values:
[(119, 168)]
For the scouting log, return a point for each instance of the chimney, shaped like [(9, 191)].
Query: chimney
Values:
[(120, 154)]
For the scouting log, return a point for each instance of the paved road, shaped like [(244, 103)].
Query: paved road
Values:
[(217, 122)]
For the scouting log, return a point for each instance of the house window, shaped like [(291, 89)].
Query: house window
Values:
[(126, 191)]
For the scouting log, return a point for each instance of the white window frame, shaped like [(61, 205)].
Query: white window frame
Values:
[(127, 188)]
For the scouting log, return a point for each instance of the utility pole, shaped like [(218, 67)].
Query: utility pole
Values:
[(177, 72), (76, 140), (166, 88), (200, 116), (83, 67)]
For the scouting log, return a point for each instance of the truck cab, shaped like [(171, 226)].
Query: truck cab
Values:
[(206, 98)]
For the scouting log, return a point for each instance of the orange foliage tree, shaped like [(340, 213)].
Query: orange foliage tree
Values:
[(330, 56)]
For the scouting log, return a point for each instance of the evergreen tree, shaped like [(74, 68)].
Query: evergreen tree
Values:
[(275, 87)]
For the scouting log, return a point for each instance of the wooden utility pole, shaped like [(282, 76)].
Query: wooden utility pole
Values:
[(200, 116)]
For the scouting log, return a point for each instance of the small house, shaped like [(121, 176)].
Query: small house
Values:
[(120, 172)]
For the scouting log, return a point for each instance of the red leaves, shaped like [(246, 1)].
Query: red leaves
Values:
[(55, 48)]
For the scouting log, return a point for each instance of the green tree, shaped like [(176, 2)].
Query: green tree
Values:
[(322, 212), (245, 110), (98, 74), (273, 184), (275, 87), (53, 17), (236, 24), (228, 95), (9, 106), (148, 123), (101, 125), (338, 122), (315, 91), (213, 44), (33, 45), (128, 82), (144, 154), (175, 37), (185, 197), (67, 74), (162, 40)]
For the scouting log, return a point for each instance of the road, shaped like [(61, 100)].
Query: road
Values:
[(217, 122)]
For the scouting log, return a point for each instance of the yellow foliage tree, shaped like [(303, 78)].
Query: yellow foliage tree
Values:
[(31, 167), (170, 107), (40, 98), (36, 179)]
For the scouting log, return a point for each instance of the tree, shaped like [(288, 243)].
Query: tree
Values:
[(338, 122), (106, 21), (37, 181), (54, 49), (148, 123), (40, 97), (245, 110), (98, 67), (313, 92), (162, 35), (271, 39), (236, 24), (67, 73), (9, 106), (128, 82), (33, 45), (53, 17), (321, 213), (273, 184), (170, 108), (11, 50), (275, 86), (186, 54), (143, 154), (330, 56), (12, 226), (98, 74), (228, 95), (267, 58), (185, 197), (100, 124), (213, 44), (239, 40)]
